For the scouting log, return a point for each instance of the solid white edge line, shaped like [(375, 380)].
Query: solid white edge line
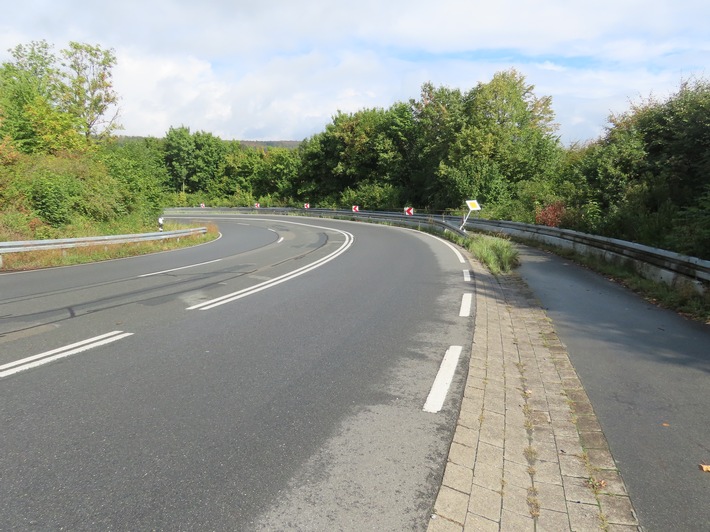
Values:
[(437, 395), (44, 358), (462, 260), (181, 268), (466, 302)]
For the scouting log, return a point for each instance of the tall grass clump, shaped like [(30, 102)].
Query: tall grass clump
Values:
[(497, 254)]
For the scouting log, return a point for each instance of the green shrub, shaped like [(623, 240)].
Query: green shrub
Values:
[(497, 254), (51, 199)]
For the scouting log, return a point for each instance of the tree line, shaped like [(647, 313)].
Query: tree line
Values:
[(646, 179)]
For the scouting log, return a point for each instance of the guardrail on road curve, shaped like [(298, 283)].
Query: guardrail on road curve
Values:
[(66, 243), (652, 263)]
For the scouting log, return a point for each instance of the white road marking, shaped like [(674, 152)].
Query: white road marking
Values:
[(280, 240), (49, 356), (228, 298), (466, 302), (181, 268), (467, 276), (442, 382), (462, 260)]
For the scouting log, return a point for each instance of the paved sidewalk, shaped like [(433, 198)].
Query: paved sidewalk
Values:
[(528, 452)]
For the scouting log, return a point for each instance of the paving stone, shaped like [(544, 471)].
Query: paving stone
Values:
[(570, 383), (472, 404), (546, 450), (588, 424), (581, 409), (551, 521), (492, 428), (515, 474), (573, 466), (476, 375), (485, 502), (466, 436), (578, 396), (515, 419), (565, 428), (540, 418), (495, 404), (617, 509), (473, 392), (470, 419), (567, 374), (462, 455), (548, 472), (477, 523), (614, 484), (601, 459), (514, 521), (487, 476), (551, 496), (490, 454), (568, 445), (515, 449), (439, 524), (515, 500), (458, 477), (577, 490), (593, 440), (543, 436), (584, 517), (452, 504)]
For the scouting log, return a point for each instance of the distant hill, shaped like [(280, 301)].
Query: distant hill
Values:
[(290, 144)]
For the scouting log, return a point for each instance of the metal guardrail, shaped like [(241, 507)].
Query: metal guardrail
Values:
[(66, 243), (653, 263), (416, 220)]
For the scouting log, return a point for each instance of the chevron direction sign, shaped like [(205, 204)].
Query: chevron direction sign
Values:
[(409, 211)]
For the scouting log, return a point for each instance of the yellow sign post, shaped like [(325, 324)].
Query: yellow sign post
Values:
[(472, 206)]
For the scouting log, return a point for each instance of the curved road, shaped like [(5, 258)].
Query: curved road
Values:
[(273, 379), (647, 373)]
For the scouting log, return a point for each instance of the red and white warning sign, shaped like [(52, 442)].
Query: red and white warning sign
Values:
[(409, 211), (306, 205), (257, 205), (356, 208)]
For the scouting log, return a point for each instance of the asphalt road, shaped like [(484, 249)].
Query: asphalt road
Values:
[(273, 379), (647, 374)]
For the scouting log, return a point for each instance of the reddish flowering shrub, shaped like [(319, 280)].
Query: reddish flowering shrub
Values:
[(550, 215)]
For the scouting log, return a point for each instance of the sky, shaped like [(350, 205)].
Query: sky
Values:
[(280, 70)]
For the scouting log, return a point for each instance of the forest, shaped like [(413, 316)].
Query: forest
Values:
[(66, 171)]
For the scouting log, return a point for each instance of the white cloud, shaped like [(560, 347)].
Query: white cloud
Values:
[(282, 69)]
